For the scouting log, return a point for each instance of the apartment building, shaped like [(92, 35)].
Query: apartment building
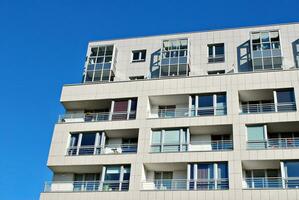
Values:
[(202, 115)]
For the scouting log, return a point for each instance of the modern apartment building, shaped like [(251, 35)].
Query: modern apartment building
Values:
[(203, 115)]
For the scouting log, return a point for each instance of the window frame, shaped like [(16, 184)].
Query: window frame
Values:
[(140, 53), (215, 58)]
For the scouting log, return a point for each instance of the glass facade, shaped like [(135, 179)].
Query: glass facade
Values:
[(169, 140), (99, 64), (266, 50), (174, 58)]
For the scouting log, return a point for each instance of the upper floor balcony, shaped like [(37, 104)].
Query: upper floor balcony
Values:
[(109, 178), (283, 135), (103, 142), (270, 174), (267, 101), (212, 104), (186, 176), (100, 110), (203, 138)]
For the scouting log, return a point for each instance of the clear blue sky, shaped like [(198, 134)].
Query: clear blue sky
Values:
[(43, 45)]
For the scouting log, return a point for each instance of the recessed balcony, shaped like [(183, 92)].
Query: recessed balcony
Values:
[(175, 106), (270, 174), (283, 135), (110, 178), (193, 139), (185, 176), (267, 101), (99, 110), (103, 142)]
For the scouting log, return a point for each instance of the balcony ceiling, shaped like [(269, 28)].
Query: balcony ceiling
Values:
[(255, 95), (216, 129), (169, 100)]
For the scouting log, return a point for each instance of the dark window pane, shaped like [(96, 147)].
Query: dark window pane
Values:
[(88, 139)]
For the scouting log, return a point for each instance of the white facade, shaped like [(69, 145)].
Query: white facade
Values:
[(195, 136)]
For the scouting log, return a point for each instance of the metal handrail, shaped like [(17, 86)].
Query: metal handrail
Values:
[(267, 107), (188, 112), (184, 184), (94, 117), (274, 143), (106, 149), (84, 186), (216, 145), (272, 182)]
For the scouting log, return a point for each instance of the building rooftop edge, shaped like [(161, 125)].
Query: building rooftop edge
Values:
[(200, 31)]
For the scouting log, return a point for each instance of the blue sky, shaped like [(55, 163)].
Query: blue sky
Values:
[(43, 46)]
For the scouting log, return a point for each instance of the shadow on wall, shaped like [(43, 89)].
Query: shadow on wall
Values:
[(295, 46), (155, 64), (243, 53)]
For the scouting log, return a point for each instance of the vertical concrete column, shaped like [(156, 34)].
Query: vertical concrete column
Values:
[(96, 143), (188, 175), (215, 104), (129, 109), (79, 143), (111, 110), (162, 140), (216, 176), (188, 139), (196, 105), (195, 175), (102, 178), (190, 106), (121, 177), (103, 141), (283, 174), (275, 100)]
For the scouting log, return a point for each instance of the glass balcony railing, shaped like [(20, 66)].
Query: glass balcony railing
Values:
[(96, 117), (275, 143), (86, 186), (187, 112), (98, 150), (268, 107), (183, 184), (272, 183)]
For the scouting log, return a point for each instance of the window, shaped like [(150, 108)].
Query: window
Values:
[(86, 182), (256, 137), (266, 51), (216, 53), (216, 72), (117, 178), (84, 143), (133, 78), (99, 64), (285, 100), (263, 178), (174, 58), (207, 176), (166, 111), (209, 104), (170, 140), (138, 56), (124, 109), (163, 180)]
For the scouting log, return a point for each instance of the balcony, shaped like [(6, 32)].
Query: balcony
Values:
[(267, 101), (185, 176), (86, 186), (182, 184), (203, 138), (283, 135), (90, 178), (103, 142), (99, 110), (272, 183), (270, 174), (175, 106)]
